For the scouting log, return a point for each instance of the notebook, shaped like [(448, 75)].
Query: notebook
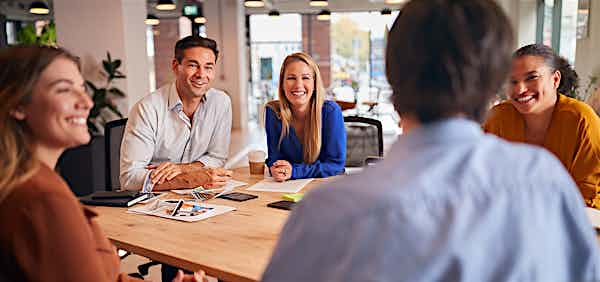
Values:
[(114, 198)]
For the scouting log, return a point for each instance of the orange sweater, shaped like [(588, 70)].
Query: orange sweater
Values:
[(47, 235), (573, 136)]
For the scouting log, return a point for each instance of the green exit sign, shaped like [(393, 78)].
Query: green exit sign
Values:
[(190, 10)]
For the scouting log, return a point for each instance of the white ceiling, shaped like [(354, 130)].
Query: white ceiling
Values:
[(18, 9), (302, 6)]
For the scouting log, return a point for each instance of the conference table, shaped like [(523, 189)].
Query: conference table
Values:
[(235, 246)]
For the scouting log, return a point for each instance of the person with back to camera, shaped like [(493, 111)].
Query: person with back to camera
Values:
[(448, 203), (306, 136), (47, 235), (537, 112)]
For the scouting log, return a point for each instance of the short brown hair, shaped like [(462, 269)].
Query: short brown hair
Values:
[(448, 57), (194, 41)]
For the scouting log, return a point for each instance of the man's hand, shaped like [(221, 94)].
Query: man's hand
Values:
[(165, 172), (216, 177), (281, 170), (198, 276)]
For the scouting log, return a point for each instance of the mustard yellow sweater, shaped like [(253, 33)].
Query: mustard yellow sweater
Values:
[(573, 136)]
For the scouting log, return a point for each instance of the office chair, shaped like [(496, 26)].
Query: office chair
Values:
[(113, 132), (364, 139)]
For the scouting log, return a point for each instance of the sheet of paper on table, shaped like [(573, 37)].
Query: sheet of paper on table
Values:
[(163, 208), (270, 185), (231, 184), (594, 216)]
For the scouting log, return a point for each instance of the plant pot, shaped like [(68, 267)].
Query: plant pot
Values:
[(83, 167)]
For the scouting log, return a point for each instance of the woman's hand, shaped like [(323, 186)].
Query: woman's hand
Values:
[(281, 170), (198, 276)]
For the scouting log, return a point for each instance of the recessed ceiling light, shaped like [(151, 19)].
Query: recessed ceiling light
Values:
[(318, 3), (254, 3), (165, 5), (324, 15), (152, 20), (39, 8)]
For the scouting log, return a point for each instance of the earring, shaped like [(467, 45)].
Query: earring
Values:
[(17, 114)]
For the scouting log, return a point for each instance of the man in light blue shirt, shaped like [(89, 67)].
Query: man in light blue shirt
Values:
[(178, 136), (448, 203)]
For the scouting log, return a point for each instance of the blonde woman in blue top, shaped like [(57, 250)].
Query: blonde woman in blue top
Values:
[(305, 134)]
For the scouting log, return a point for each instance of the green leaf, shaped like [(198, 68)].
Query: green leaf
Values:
[(107, 68), (116, 64), (91, 85), (114, 109), (116, 92)]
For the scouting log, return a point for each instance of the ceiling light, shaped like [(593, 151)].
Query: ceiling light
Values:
[(386, 12), (200, 19), (318, 3), (394, 1), (152, 20), (274, 14), (324, 15), (254, 3), (39, 8), (165, 5)]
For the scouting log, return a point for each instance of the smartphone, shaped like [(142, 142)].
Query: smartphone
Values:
[(238, 197), (284, 205)]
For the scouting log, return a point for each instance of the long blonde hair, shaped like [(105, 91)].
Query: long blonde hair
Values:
[(311, 142), (20, 70)]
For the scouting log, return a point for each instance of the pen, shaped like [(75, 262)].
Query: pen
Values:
[(179, 204)]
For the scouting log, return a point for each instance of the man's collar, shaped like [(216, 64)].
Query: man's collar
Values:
[(174, 101)]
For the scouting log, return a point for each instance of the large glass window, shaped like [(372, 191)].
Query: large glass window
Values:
[(358, 63), (271, 40), (558, 25)]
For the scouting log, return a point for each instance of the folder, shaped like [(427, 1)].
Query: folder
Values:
[(114, 198)]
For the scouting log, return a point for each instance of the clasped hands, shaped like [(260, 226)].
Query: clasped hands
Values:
[(211, 177), (281, 170)]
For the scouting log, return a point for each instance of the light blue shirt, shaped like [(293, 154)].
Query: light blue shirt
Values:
[(158, 131), (448, 204)]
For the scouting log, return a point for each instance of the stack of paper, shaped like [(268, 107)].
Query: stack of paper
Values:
[(164, 208), (289, 186), (231, 184)]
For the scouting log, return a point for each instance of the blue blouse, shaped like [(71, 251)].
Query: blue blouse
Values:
[(333, 144)]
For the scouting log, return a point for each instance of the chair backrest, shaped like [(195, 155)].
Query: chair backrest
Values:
[(364, 139), (113, 132)]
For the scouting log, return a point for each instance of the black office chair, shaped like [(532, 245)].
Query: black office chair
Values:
[(364, 139), (113, 132)]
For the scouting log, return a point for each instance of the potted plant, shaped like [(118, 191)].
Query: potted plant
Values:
[(83, 167)]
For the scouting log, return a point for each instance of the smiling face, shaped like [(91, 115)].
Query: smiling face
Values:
[(195, 72), (59, 107), (299, 84), (533, 85)]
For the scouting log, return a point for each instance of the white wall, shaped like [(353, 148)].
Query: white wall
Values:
[(587, 57), (90, 28), (527, 22)]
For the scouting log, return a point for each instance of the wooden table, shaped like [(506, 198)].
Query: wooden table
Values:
[(235, 246)]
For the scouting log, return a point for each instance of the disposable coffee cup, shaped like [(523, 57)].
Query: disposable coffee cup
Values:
[(256, 161)]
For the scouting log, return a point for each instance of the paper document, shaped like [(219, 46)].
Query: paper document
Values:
[(289, 186), (594, 216), (354, 170), (231, 184), (197, 211)]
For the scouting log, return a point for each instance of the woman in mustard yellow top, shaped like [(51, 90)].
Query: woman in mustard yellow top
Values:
[(537, 113)]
